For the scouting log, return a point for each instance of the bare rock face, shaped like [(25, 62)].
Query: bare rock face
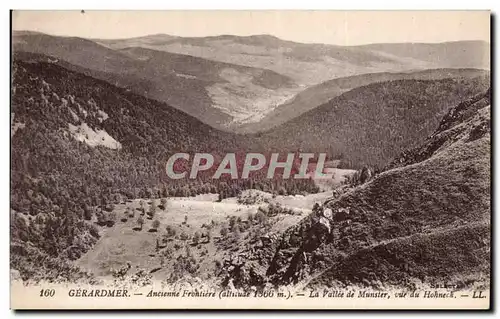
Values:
[(297, 251), (327, 213), (326, 223), (246, 268)]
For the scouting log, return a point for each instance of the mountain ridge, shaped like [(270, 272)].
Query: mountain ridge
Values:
[(317, 95), (369, 125), (220, 100), (234, 96)]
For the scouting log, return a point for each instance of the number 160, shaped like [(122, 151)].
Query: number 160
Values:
[(47, 293)]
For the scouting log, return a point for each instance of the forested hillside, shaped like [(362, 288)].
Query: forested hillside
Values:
[(79, 145), (320, 94), (424, 220), (370, 125), (214, 92)]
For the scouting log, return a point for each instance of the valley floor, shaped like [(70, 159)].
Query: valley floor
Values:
[(125, 242)]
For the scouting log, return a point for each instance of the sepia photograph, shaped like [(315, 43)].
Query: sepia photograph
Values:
[(246, 159)]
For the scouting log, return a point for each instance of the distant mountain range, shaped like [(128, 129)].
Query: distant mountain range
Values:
[(234, 83), (310, 64)]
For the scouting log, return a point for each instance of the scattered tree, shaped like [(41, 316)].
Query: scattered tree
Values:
[(101, 218), (171, 231), (131, 213), (156, 224), (87, 212), (111, 219), (141, 205), (209, 235), (140, 221), (163, 202), (152, 209), (184, 236), (196, 238)]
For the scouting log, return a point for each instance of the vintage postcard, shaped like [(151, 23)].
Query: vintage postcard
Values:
[(250, 160)]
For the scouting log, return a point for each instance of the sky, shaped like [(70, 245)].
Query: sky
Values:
[(330, 27)]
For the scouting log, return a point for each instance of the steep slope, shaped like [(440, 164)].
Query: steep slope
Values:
[(424, 220), (310, 64), (373, 123), (319, 94), (78, 143), (219, 94), (126, 122)]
